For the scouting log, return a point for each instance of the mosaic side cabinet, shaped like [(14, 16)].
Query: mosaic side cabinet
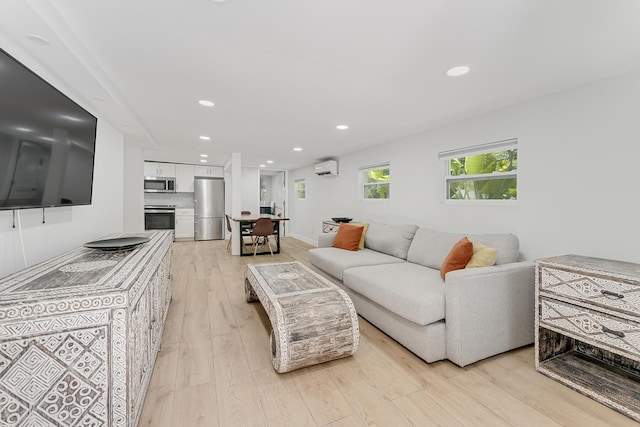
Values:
[(588, 328), (79, 335)]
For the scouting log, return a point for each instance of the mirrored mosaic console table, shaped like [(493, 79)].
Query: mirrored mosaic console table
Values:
[(330, 226), (588, 328), (79, 335)]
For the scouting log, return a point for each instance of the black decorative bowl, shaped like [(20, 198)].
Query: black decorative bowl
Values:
[(341, 219), (118, 244)]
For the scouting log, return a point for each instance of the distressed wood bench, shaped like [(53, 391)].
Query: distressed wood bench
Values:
[(313, 321)]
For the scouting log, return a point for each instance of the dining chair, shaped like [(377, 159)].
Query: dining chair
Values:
[(279, 225), (275, 223), (262, 229), (245, 227), (230, 231)]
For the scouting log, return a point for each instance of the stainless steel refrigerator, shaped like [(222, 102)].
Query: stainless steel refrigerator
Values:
[(208, 197)]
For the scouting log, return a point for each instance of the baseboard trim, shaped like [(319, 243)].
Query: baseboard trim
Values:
[(304, 239)]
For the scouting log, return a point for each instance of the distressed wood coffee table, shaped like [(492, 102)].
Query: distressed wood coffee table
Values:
[(313, 320)]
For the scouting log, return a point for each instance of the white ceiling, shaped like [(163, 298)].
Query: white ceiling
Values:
[(284, 73)]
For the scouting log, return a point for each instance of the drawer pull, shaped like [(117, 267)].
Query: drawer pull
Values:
[(618, 334), (611, 294)]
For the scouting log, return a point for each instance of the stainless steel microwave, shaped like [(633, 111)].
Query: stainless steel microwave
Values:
[(157, 184)]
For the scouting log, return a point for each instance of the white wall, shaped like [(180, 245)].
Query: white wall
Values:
[(69, 227), (251, 190), (134, 190), (233, 195), (577, 173)]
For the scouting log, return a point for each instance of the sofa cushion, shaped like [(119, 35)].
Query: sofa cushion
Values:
[(390, 239), (408, 290), (365, 226), (458, 256), (335, 261), (348, 237), (430, 248), (483, 256)]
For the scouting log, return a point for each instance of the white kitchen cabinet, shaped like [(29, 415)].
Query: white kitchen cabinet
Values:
[(209, 171), (159, 169), (184, 224), (184, 178)]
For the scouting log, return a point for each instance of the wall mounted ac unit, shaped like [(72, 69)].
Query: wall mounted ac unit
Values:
[(330, 167)]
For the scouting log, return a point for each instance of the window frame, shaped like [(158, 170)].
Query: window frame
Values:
[(445, 158), (362, 184), (298, 190)]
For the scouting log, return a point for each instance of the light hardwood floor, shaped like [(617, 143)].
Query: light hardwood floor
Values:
[(214, 369)]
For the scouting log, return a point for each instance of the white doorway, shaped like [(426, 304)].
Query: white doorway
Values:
[(273, 194)]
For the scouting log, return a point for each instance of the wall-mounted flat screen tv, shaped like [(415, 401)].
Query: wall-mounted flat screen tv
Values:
[(47, 142)]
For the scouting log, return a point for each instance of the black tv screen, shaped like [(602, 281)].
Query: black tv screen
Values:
[(47, 142)]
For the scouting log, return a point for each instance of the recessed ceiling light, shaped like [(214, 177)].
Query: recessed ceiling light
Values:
[(269, 161), (219, 1), (342, 127), (459, 70), (204, 155), (34, 38), (206, 138), (203, 160), (263, 166), (297, 149), (206, 103)]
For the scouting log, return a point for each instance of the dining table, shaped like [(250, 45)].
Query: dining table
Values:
[(247, 222)]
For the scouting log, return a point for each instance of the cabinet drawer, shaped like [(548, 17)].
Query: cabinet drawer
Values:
[(330, 227), (592, 327), (615, 295)]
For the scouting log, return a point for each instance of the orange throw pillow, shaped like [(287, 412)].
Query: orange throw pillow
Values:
[(458, 256), (348, 236)]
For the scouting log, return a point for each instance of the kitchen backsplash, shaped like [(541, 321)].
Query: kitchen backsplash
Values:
[(181, 200)]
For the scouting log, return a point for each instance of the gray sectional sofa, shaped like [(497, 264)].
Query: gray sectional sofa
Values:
[(395, 284)]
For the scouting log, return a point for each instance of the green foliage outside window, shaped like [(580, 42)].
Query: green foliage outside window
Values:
[(300, 189), (376, 183), (484, 180)]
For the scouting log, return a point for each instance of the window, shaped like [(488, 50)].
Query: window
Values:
[(482, 172), (300, 191), (374, 182)]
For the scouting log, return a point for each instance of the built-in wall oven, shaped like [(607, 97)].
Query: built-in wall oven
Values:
[(159, 217)]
